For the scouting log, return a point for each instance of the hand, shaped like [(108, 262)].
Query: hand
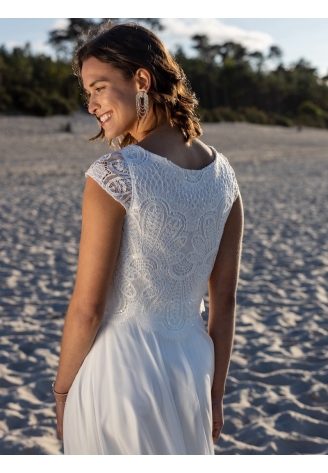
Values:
[(217, 416), (60, 416)]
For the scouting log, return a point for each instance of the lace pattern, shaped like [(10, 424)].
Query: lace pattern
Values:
[(171, 235), (111, 172)]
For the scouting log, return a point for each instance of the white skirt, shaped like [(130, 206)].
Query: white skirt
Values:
[(138, 393)]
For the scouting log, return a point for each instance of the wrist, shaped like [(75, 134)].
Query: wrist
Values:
[(58, 391)]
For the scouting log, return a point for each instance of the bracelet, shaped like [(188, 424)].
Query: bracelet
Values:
[(56, 393), (61, 402)]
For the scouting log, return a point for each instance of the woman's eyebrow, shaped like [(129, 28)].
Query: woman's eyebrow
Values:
[(97, 80)]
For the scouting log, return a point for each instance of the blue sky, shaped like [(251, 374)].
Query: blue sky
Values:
[(302, 37)]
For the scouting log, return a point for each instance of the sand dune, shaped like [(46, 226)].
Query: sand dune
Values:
[(276, 399)]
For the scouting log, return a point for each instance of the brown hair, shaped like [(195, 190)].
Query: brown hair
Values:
[(129, 47)]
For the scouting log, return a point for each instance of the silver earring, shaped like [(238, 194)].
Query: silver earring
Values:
[(142, 105)]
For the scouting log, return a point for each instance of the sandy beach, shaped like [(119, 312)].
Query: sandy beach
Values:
[(276, 398)]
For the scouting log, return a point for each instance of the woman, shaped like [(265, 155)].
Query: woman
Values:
[(162, 222)]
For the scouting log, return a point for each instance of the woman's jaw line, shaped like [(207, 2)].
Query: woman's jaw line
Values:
[(138, 130)]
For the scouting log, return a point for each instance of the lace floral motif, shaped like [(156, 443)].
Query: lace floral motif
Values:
[(112, 174), (171, 235)]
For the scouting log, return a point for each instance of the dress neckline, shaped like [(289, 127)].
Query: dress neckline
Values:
[(185, 170)]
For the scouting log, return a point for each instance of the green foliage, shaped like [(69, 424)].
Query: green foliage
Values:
[(253, 115), (280, 120), (310, 114), (246, 114), (36, 84), (5, 100), (220, 114), (231, 77), (231, 83), (309, 108)]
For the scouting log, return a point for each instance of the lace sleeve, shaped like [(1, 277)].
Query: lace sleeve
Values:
[(111, 172)]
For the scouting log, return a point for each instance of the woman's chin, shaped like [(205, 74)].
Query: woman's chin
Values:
[(109, 135)]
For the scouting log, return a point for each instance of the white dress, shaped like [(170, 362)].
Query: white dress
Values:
[(145, 386)]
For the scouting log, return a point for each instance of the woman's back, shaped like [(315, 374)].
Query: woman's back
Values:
[(171, 235)]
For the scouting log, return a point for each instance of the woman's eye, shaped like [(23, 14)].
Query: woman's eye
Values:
[(98, 89)]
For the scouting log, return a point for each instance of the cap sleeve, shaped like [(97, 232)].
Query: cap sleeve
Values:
[(111, 172)]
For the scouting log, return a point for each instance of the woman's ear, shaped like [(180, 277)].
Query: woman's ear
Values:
[(143, 79)]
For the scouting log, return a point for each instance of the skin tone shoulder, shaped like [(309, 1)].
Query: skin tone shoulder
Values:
[(112, 99)]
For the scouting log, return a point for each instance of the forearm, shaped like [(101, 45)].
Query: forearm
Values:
[(79, 332), (221, 328)]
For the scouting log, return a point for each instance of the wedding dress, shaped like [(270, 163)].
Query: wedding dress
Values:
[(145, 386)]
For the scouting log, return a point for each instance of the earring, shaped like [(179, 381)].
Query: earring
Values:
[(142, 105)]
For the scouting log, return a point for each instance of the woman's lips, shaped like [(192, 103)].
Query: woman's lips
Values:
[(105, 118)]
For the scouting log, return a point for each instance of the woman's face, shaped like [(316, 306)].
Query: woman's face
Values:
[(112, 97)]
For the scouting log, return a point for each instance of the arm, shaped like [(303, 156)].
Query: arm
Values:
[(222, 288), (102, 222)]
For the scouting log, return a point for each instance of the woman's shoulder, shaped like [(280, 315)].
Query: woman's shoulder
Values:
[(108, 162), (117, 158), (201, 148), (111, 171), (210, 153)]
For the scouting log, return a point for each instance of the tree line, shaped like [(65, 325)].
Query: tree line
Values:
[(231, 82)]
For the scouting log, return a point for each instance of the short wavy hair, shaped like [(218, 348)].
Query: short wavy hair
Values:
[(128, 47)]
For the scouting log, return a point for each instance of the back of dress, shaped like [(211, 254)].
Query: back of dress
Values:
[(145, 386), (172, 230)]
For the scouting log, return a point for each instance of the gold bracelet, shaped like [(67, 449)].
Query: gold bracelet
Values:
[(61, 402), (55, 392)]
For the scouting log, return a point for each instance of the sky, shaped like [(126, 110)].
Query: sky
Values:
[(297, 37)]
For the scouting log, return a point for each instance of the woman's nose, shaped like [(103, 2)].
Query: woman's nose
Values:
[(92, 106)]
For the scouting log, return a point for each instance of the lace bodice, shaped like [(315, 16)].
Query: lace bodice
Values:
[(171, 234)]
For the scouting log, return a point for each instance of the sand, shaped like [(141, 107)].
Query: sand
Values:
[(276, 398)]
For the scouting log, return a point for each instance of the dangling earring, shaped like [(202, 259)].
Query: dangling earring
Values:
[(142, 105)]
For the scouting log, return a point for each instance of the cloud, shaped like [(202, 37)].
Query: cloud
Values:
[(12, 44), (178, 31), (40, 47), (37, 47), (60, 24)]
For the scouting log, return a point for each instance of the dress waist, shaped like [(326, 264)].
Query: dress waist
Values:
[(169, 323)]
